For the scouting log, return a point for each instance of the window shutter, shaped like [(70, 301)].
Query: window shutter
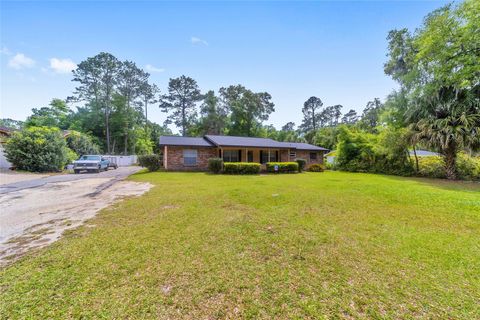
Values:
[(276, 156), (261, 156), (240, 155)]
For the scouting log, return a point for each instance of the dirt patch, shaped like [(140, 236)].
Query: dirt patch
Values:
[(34, 218), (7, 177)]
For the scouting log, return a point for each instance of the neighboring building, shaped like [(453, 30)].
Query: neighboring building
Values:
[(186, 153), (5, 133)]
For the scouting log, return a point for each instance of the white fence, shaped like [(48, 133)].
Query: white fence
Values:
[(122, 161), (4, 164)]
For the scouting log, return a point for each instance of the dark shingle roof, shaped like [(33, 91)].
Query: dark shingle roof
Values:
[(184, 141), (303, 146), (232, 141)]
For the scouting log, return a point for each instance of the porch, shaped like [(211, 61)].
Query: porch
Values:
[(258, 155)]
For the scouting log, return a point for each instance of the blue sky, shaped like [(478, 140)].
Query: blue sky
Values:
[(293, 50)]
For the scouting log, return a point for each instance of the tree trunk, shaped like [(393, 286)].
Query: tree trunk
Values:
[(416, 158), (125, 150), (107, 127), (450, 158)]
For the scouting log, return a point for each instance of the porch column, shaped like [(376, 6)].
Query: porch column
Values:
[(268, 155), (165, 160)]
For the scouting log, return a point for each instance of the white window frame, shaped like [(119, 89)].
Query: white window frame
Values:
[(190, 154)]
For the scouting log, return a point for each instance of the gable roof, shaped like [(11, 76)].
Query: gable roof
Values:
[(234, 141), (184, 141)]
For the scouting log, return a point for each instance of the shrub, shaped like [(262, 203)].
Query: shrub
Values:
[(468, 168), (301, 164), (150, 161), (71, 156), (37, 149), (82, 143), (283, 167), (215, 165), (433, 167), (241, 168), (316, 167)]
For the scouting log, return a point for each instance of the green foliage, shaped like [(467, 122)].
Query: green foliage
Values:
[(56, 115), (431, 167), (143, 144), (150, 161), (37, 149), (247, 109), (81, 143), (241, 168), (468, 168), (283, 167), (316, 167), (301, 164), (71, 156), (386, 152), (215, 165)]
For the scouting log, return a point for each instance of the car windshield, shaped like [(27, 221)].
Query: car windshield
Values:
[(97, 158)]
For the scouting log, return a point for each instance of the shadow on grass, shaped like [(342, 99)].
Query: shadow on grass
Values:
[(457, 185)]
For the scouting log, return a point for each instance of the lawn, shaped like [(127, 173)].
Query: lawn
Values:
[(311, 245)]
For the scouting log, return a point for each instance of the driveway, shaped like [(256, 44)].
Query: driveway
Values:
[(35, 212)]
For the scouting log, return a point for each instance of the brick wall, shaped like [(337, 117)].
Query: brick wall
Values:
[(306, 155), (175, 158)]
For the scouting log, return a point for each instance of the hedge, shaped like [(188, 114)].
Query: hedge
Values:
[(283, 167), (301, 164), (215, 165), (150, 161), (241, 168)]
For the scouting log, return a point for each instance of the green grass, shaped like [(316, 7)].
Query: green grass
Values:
[(311, 245)]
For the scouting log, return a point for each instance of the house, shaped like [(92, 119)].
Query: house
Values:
[(5, 133), (189, 153)]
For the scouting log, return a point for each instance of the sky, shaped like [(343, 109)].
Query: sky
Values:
[(334, 50)]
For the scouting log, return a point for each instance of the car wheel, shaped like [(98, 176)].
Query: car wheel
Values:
[(76, 171)]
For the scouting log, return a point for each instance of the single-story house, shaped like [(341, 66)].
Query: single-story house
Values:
[(189, 153)]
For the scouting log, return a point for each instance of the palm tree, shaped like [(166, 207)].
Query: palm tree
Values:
[(447, 121)]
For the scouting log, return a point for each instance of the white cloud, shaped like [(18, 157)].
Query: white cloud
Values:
[(62, 65), (152, 69), (20, 61), (5, 51), (195, 40)]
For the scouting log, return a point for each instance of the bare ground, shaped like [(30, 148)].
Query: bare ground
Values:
[(35, 217)]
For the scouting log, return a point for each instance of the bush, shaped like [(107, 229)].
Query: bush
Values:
[(241, 168), (301, 164), (215, 165), (37, 149), (432, 167), (468, 168), (82, 143), (150, 161), (283, 167), (316, 167)]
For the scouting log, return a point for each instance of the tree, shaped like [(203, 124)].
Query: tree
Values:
[(97, 78), (444, 51), (311, 114), (370, 115), (448, 121), (289, 127), (180, 102), (81, 143), (37, 149), (56, 115), (331, 115), (213, 115), (248, 109), (131, 81), (11, 124), (350, 117), (148, 93)]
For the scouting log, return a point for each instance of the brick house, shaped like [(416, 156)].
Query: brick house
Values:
[(188, 153)]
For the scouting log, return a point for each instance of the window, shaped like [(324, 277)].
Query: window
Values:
[(313, 156), (190, 157), (293, 154), (231, 156), (264, 156)]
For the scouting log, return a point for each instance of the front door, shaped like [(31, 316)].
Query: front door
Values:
[(250, 156)]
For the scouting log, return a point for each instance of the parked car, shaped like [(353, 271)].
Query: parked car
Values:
[(113, 161), (91, 163)]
